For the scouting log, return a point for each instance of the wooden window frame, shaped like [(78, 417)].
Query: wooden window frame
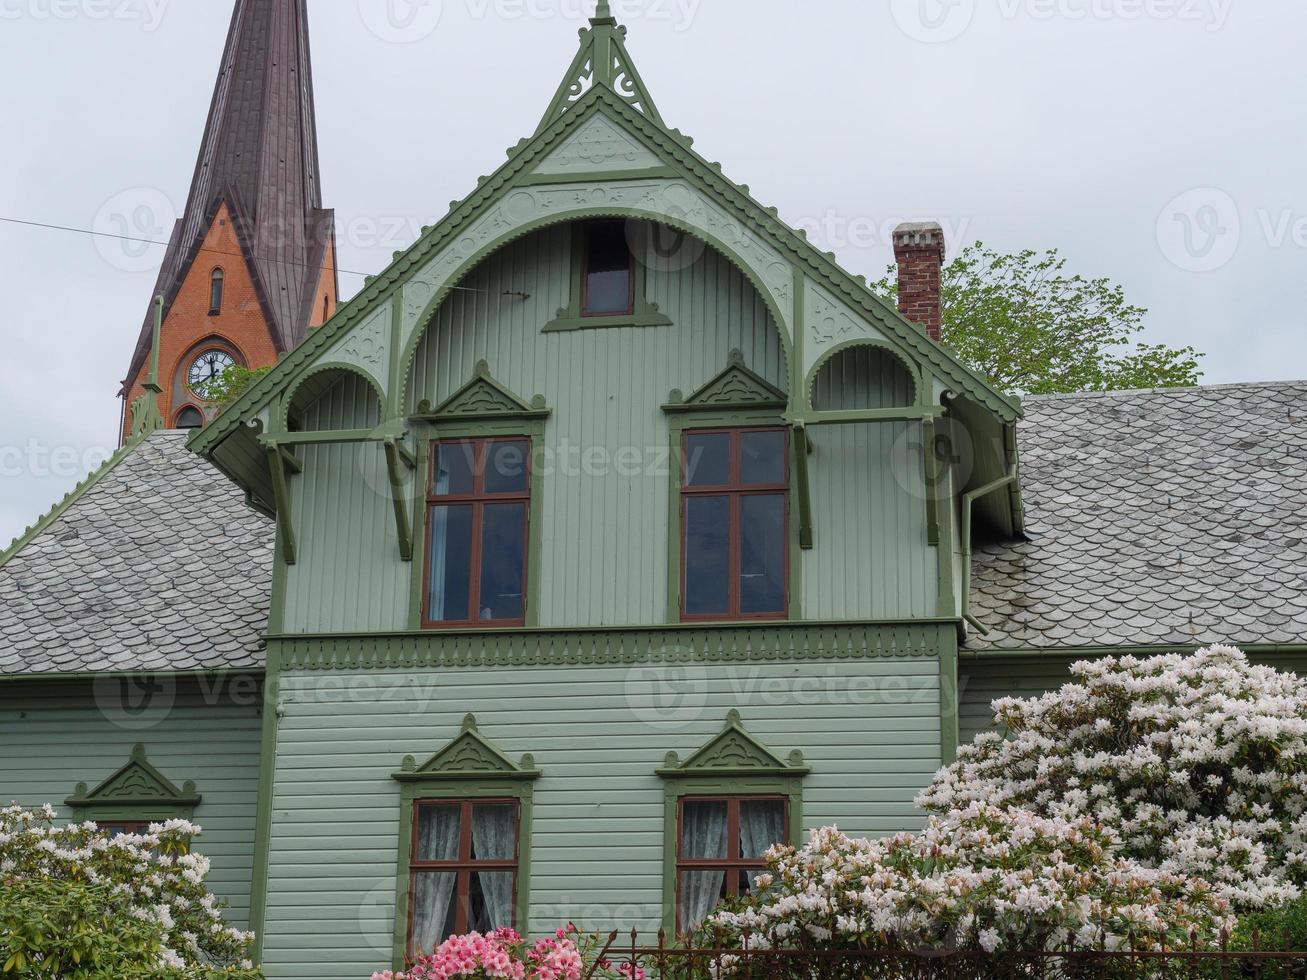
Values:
[(586, 238), (478, 500), (177, 418), (465, 865), (127, 826), (736, 490), (731, 865), (217, 278)]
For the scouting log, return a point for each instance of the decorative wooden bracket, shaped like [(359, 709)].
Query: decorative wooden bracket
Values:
[(930, 462), (281, 494), (801, 452), (402, 524)]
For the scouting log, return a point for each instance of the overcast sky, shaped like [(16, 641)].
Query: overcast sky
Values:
[(1161, 143)]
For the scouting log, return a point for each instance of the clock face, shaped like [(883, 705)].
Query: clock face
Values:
[(206, 369)]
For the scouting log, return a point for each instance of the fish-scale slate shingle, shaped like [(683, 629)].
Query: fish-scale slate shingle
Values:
[(1155, 518), (157, 565)]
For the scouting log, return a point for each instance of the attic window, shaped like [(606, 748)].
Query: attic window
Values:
[(609, 276), (190, 418), (215, 293)]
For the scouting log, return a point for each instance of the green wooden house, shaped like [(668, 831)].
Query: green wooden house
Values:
[(610, 535)]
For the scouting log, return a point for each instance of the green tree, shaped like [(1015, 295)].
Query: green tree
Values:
[(231, 384), (1031, 328)]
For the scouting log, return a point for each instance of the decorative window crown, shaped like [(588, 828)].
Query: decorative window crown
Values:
[(470, 755)]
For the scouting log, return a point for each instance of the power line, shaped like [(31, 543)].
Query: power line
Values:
[(203, 248)]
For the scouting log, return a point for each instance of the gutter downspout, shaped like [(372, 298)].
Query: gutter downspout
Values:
[(968, 500)]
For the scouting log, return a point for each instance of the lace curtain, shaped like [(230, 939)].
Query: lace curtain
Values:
[(433, 892), (703, 836), (494, 838)]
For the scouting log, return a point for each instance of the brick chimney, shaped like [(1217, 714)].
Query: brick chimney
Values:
[(919, 251)]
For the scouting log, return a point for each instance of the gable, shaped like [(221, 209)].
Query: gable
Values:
[(137, 782), (468, 756), (735, 387), (816, 305), (734, 752), (599, 145)]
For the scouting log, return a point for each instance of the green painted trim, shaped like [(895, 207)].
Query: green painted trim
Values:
[(754, 642), (689, 165), (946, 598), (443, 777), (930, 481), (59, 509), (136, 791), (403, 527), (381, 433), (92, 675), (285, 524), (733, 763), (482, 398), (602, 61), (570, 317), (417, 573), (803, 482), (592, 176), (527, 422), (271, 716), (281, 417), (927, 413), (950, 707), (735, 388)]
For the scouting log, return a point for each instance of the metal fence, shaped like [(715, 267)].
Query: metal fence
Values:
[(666, 961)]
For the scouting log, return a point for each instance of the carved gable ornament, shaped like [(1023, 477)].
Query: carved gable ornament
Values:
[(735, 388), (137, 784), (733, 753), (469, 756), (484, 398)]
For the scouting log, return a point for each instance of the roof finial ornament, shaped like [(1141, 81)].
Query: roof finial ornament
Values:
[(603, 15)]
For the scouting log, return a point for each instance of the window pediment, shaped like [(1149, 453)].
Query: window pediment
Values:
[(469, 755), (733, 752), (137, 784), (484, 398), (736, 387)]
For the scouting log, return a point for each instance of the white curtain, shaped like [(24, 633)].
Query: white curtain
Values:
[(762, 825), (438, 833), (494, 835), (703, 836), (439, 542)]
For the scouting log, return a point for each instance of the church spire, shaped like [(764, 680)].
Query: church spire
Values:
[(258, 167), (602, 60)]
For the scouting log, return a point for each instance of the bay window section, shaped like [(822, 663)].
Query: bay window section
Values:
[(463, 871), (722, 843), (735, 524), (477, 533)]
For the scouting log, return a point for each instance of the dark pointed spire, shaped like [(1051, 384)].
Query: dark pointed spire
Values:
[(259, 156)]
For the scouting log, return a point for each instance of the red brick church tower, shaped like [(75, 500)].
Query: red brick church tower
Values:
[(251, 266)]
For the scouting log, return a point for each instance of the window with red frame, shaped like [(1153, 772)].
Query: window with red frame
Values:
[(478, 504), (734, 524), (462, 870), (116, 828), (720, 846)]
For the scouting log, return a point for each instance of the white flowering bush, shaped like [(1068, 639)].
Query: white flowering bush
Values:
[(1198, 763), (76, 904), (978, 878)]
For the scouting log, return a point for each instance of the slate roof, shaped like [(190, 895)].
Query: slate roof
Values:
[(259, 154), (156, 563), (1155, 517)]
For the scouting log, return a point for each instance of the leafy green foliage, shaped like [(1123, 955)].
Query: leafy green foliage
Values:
[(1032, 328), (232, 383), (77, 905), (1279, 928)]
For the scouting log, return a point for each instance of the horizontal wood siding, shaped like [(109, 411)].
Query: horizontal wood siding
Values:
[(869, 729), (53, 736)]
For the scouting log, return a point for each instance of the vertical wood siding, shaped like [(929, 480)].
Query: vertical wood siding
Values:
[(349, 575), (54, 736), (604, 535), (869, 730)]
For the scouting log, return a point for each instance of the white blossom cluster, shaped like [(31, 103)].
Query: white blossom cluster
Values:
[(978, 878), (152, 877), (1198, 763)]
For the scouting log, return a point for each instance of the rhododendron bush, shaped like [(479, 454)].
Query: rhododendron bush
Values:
[(1198, 763), (980, 878), (567, 955), (76, 904)]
